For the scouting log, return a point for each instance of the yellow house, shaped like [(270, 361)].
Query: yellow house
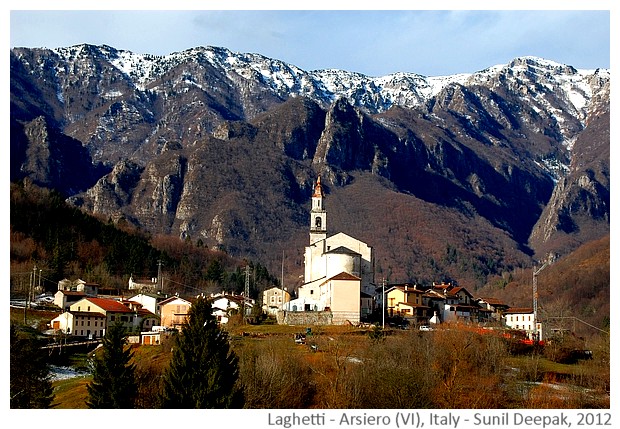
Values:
[(406, 301), (173, 312)]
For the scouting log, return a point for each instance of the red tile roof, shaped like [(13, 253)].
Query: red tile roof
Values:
[(110, 305), (492, 301)]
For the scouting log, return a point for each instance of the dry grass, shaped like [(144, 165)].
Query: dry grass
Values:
[(71, 393), (333, 375)]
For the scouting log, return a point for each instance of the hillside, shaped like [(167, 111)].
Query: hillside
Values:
[(64, 242), (576, 285)]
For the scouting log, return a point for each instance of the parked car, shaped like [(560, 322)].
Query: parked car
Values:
[(425, 328)]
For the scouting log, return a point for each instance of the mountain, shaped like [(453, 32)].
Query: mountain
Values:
[(457, 177)]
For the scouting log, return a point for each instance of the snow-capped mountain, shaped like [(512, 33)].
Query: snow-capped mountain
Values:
[(494, 145), (374, 94)]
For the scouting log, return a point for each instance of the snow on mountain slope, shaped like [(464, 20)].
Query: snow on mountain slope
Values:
[(528, 75)]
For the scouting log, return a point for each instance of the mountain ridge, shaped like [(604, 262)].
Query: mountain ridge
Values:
[(489, 148)]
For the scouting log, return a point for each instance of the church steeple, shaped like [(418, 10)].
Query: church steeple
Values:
[(318, 215)]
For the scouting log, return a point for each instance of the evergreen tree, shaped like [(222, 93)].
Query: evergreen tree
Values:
[(114, 384), (203, 370), (31, 385)]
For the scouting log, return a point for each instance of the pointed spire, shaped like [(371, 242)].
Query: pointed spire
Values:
[(318, 189)]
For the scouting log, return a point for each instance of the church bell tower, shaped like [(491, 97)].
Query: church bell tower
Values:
[(318, 215)]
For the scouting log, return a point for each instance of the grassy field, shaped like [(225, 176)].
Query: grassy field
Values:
[(37, 319), (71, 393)]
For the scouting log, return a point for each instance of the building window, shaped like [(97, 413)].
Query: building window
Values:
[(317, 222)]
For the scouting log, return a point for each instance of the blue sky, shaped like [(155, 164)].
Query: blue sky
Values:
[(372, 42)]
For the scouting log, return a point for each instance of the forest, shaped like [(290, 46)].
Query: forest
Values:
[(64, 242)]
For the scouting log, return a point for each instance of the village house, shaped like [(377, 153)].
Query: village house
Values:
[(173, 312), (90, 316), (407, 301), (493, 308), (225, 304), (150, 301), (273, 299), (522, 319), (64, 298), (71, 291), (146, 285), (459, 304)]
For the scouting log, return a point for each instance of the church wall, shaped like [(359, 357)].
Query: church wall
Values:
[(338, 263), (367, 263)]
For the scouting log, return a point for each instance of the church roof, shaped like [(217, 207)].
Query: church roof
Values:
[(344, 276), (343, 250)]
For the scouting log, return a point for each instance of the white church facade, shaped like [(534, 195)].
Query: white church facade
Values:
[(339, 270)]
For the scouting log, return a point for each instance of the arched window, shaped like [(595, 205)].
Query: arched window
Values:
[(317, 222)]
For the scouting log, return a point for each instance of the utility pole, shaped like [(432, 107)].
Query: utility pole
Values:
[(383, 304), (246, 294), (160, 283), (282, 281), (535, 293), (31, 285)]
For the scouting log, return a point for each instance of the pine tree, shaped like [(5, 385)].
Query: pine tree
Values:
[(114, 384), (203, 370), (31, 385)]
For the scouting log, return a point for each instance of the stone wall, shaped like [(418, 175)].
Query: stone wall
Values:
[(304, 317)]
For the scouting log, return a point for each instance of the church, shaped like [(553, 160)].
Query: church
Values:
[(339, 271)]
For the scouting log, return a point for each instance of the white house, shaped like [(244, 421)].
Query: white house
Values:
[(64, 298), (522, 319), (146, 284), (149, 301), (70, 291), (223, 305)]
